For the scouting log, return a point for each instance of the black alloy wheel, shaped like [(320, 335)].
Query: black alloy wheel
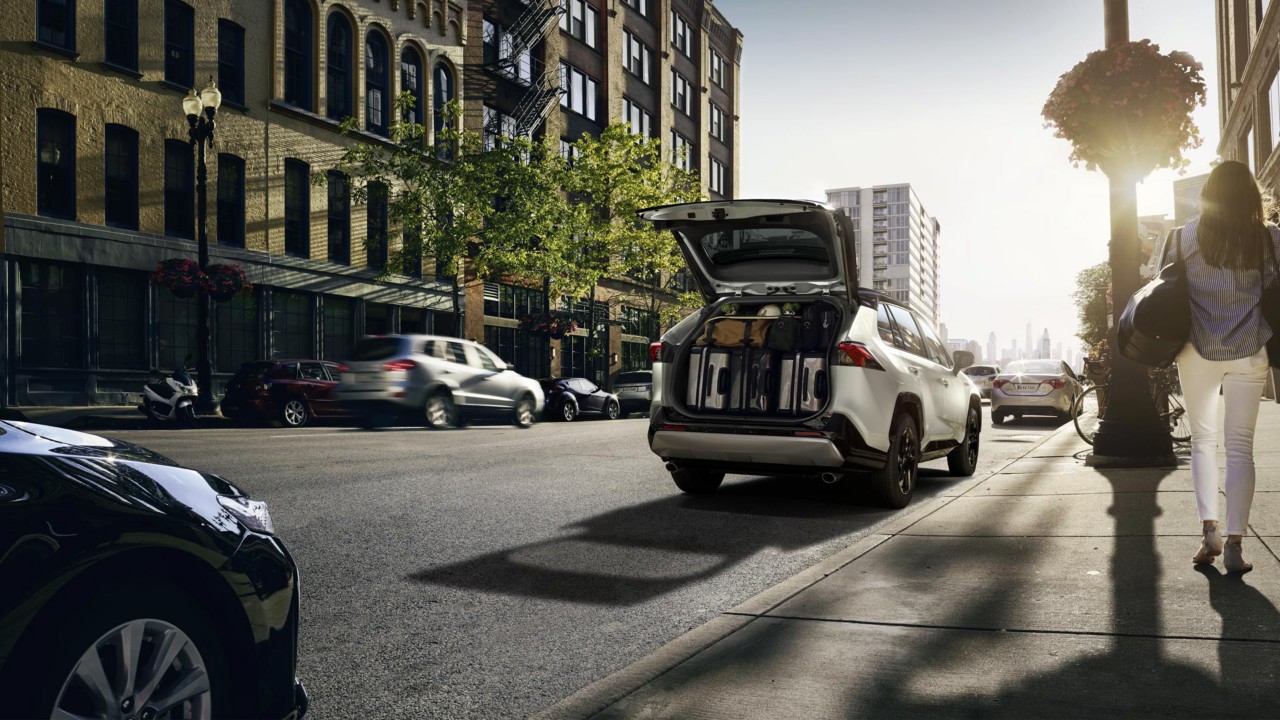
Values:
[(963, 460), (611, 410), (895, 483)]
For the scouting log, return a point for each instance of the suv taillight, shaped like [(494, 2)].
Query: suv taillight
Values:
[(399, 365), (656, 351), (857, 355)]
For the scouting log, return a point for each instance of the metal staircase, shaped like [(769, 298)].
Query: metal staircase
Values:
[(542, 83)]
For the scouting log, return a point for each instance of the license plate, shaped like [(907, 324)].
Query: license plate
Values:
[(1026, 387)]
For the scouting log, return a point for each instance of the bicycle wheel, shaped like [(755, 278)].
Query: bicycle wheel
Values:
[(1176, 417), (1085, 414)]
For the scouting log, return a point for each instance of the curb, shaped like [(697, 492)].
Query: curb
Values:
[(602, 693)]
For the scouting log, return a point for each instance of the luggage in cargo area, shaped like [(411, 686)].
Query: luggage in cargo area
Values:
[(710, 382), (752, 382), (803, 383), (734, 332)]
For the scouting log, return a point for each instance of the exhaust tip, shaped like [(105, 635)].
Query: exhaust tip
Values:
[(672, 467), (830, 478)]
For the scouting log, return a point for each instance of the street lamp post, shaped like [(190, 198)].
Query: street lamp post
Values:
[(200, 110)]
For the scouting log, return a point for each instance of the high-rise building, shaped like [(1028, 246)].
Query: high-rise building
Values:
[(1046, 349), (1030, 346), (991, 348), (1249, 86), (896, 242)]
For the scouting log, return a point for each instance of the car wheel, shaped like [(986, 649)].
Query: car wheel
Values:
[(522, 417), (440, 411), (568, 411), (895, 483), (612, 411), (696, 481), (127, 651), (963, 460), (294, 414)]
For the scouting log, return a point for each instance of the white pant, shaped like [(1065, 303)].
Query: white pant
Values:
[(1241, 382)]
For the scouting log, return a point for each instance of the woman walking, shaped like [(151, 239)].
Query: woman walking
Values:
[(1227, 251)]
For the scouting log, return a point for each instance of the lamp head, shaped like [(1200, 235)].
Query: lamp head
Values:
[(211, 97), (191, 104)]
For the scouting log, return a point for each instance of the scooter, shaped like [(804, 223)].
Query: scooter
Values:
[(173, 400)]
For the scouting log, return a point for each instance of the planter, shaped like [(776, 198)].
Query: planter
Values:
[(182, 277), (224, 282)]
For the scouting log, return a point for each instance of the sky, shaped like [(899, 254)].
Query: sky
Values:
[(947, 95)]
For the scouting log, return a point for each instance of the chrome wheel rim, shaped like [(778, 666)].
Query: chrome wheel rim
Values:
[(567, 411), (524, 412), (438, 411), (142, 670), (295, 413), (613, 411), (973, 435), (906, 461)]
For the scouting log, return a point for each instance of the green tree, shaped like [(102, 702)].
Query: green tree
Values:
[(1090, 296)]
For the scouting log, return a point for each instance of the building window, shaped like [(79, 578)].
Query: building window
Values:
[(639, 321), (292, 325), (637, 117), (411, 82), (377, 319), (1273, 100), (528, 353), (175, 328), (179, 44), (179, 189), (578, 91), (120, 177), (579, 19), (573, 356), (636, 57), (339, 100), (497, 125), (512, 301), (500, 54), (716, 122), (297, 208), (56, 163), (339, 218), (377, 93), (442, 95), (339, 328), (411, 253), (640, 6), (375, 244), (715, 67), (56, 23), (231, 62), (122, 320), (679, 33), (680, 92), (236, 331), (683, 151), (52, 311), (568, 151), (120, 33), (297, 53), (230, 200), (715, 178)]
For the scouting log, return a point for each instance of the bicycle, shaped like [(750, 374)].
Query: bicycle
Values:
[(1165, 392)]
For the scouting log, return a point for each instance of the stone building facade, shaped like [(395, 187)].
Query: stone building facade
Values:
[(97, 186), (1248, 34)]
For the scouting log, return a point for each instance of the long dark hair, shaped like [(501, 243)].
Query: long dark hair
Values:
[(1233, 215)]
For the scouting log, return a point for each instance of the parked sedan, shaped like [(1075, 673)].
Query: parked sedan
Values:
[(290, 392), (634, 390), (982, 375), (567, 398), (133, 587), (1034, 387)]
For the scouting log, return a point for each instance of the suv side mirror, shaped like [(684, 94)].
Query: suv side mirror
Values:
[(962, 359)]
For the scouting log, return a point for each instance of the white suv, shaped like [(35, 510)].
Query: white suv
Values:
[(844, 381)]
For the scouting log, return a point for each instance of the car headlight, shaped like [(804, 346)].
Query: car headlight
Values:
[(253, 513)]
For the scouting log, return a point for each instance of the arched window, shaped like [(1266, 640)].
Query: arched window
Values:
[(444, 91), (411, 82), (298, 44), (341, 101), (377, 88)]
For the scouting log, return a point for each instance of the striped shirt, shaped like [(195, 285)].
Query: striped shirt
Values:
[(1226, 321)]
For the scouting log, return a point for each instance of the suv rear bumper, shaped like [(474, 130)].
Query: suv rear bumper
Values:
[(764, 448)]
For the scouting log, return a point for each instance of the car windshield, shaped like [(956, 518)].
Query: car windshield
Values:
[(634, 377), (1034, 367), (376, 348)]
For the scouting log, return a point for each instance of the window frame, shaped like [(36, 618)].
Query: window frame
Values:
[(587, 30), (680, 92), (376, 210), (443, 91), (297, 209), (680, 32), (589, 93), (121, 319), (338, 214), (120, 34), (179, 71), (379, 122), (715, 68), (630, 108), (174, 204), (417, 64), (68, 28), (715, 121), (641, 7), (126, 184), (230, 201), (231, 68), (716, 176), (299, 59), (679, 141), (630, 45), (56, 182)]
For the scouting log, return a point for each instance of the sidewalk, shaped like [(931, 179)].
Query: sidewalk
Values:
[(1047, 589), (96, 417)]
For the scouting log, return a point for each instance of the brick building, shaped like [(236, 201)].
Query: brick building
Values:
[(97, 181), (1249, 86), (566, 68)]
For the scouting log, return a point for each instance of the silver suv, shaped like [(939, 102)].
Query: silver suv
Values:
[(441, 381), (791, 369)]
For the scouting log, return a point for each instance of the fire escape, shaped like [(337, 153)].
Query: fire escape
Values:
[(514, 61)]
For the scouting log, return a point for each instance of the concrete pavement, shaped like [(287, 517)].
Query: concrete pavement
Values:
[(1048, 589)]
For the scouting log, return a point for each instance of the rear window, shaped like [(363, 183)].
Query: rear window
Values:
[(728, 247), (1035, 367), (979, 371), (634, 377), (376, 348)]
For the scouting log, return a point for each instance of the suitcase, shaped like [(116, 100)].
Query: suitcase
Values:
[(697, 367), (758, 372), (710, 383), (814, 385), (789, 365), (818, 327)]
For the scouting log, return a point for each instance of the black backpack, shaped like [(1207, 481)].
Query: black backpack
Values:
[(784, 334), (818, 327)]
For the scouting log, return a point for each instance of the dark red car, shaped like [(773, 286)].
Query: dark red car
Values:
[(290, 392)]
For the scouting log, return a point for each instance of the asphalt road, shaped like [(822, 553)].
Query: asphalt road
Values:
[(489, 572)]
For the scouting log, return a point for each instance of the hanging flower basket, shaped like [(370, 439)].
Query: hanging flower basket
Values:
[(182, 277), (1127, 109), (552, 325), (224, 282)]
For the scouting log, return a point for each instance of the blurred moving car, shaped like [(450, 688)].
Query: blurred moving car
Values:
[(291, 392), (982, 375), (634, 390), (567, 398), (441, 381), (1034, 387), (133, 587)]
